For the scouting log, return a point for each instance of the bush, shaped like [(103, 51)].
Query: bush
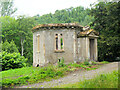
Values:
[(9, 47), (12, 60)]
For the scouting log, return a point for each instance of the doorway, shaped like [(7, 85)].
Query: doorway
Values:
[(92, 47)]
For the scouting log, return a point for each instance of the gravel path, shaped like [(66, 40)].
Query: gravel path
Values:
[(75, 76)]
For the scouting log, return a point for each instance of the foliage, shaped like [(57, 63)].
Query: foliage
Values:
[(74, 65), (6, 8), (109, 39), (86, 62), (20, 32), (101, 81), (61, 62), (12, 60), (9, 28), (87, 66), (69, 15), (9, 47), (25, 36), (31, 75), (93, 62), (104, 62)]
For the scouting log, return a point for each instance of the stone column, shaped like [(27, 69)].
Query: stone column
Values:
[(74, 47), (87, 48), (95, 51)]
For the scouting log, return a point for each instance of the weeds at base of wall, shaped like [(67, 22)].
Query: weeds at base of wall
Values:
[(61, 62)]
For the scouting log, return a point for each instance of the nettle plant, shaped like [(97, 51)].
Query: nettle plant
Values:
[(61, 62), (86, 62)]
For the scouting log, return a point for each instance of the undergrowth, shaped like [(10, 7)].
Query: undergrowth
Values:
[(30, 75)]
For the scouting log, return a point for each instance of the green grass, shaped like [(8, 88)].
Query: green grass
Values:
[(109, 80), (30, 75), (104, 62)]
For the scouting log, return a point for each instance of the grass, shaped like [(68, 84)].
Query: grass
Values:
[(30, 75), (109, 80), (23, 76), (104, 62)]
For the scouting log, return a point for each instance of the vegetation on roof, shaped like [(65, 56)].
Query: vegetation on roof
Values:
[(58, 25)]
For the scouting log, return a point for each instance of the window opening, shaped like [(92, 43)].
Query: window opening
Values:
[(56, 41), (38, 43), (59, 60), (37, 65), (91, 49), (59, 43)]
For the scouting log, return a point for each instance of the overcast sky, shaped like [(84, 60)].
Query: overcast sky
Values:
[(34, 7)]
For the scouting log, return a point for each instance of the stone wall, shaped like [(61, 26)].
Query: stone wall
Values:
[(47, 52), (76, 49)]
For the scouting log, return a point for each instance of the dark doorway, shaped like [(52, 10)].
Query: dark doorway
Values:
[(37, 65), (91, 49)]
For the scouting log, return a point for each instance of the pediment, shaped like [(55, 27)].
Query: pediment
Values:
[(88, 33), (92, 34)]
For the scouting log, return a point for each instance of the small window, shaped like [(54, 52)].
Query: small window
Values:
[(56, 38), (38, 43), (61, 41)]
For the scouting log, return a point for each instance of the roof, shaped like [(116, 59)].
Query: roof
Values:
[(87, 32), (56, 26)]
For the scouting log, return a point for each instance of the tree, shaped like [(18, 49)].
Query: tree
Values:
[(9, 47), (69, 15), (24, 30), (6, 8), (9, 28), (20, 31), (25, 35), (107, 24)]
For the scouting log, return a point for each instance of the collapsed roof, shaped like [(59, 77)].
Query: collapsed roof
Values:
[(84, 31), (56, 26)]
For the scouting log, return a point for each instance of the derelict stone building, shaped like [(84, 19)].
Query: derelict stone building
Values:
[(70, 41)]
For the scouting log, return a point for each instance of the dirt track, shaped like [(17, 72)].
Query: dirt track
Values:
[(75, 76)]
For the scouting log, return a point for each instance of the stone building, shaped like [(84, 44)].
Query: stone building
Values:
[(70, 41)]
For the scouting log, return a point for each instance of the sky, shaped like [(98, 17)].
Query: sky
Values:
[(34, 7)]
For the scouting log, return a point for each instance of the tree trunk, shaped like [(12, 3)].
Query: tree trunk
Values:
[(22, 48)]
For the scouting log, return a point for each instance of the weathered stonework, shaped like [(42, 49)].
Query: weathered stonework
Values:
[(77, 43)]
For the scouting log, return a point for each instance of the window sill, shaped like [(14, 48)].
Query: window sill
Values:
[(38, 51), (59, 51)]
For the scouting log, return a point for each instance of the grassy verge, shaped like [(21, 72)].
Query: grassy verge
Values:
[(109, 80), (30, 75), (104, 62)]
